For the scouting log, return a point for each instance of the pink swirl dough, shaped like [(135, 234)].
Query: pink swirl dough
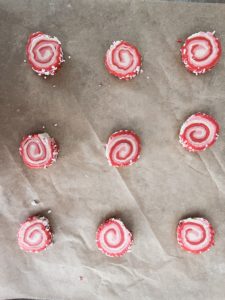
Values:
[(113, 238), (34, 235), (195, 235), (199, 132), (201, 52), (44, 53), (123, 60), (123, 148), (38, 150)]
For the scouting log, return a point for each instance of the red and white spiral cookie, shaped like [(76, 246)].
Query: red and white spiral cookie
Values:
[(201, 52), (123, 60), (38, 150), (199, 132), (44, 53), (113, 238), (195, 235), (34, 235), (123, 148)]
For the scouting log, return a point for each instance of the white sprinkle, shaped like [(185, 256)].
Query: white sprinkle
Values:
[(55, 124), (45, 77), (69, 57), (147, 77), (54, 86), (49, 211), (100, 84), (35, 202), (24, 61), (43, 126)]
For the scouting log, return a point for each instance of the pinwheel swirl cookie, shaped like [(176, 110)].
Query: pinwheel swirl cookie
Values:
[(195, 235), (38, 150), (34, 235), (44, 53), (201, 52), (123, 148), (123, 60), (113, 238), (199, 132)]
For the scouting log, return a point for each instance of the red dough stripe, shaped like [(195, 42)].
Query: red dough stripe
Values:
[(199, 132), (34, 235), (195, 235), (123, 148), (123, 60), (201, 52), (44, 53), (113, 238)]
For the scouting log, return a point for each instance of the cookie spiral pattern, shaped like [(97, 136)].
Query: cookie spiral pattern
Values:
[(123, 60), (195, 235), (113, 238), (123, 148), (44, 53), (199, 132), (201, 52), (34, 235), (38, 150)]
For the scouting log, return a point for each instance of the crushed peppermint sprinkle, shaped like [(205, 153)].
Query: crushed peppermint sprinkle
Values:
[(35, 202)]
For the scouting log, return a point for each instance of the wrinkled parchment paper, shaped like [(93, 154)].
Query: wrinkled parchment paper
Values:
[(81, 106)]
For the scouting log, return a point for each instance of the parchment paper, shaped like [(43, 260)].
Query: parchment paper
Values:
[(81, 189)]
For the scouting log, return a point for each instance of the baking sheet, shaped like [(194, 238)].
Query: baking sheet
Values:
[(81, 111)]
